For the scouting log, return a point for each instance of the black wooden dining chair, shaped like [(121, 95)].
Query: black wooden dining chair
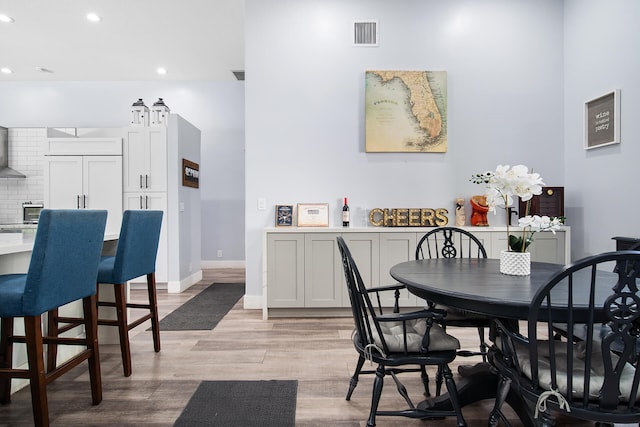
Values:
[(453, 242), (397, 340), (602, 382)]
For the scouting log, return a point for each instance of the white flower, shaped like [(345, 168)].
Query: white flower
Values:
[(540, 223), (505, 184)]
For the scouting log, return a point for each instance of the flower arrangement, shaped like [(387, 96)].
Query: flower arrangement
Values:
[(503, 185)]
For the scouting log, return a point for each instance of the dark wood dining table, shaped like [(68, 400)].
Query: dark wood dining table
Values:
[(476, 285)]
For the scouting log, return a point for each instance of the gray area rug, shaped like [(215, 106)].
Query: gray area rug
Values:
[(205, 310), (241, 404)]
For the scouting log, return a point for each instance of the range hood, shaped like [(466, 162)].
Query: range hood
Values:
[(5, 170)]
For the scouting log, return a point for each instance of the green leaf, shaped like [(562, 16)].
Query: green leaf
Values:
[(516, 242)]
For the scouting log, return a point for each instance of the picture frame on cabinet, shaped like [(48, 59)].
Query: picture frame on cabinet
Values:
[(284, 215), (602, 120), (313, 214)]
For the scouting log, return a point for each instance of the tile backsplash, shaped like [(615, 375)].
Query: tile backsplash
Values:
[(26, 155)]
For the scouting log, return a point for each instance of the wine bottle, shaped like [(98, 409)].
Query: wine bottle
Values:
[(345, 213)]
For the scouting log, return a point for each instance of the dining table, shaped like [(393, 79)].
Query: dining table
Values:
[(476, 285)]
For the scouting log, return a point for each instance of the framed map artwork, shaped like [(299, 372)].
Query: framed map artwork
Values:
[(406, 111)]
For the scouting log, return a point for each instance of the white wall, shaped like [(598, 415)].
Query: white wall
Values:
[(601, 45), (305, 96), (217, 109)]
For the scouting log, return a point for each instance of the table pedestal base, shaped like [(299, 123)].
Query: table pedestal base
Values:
[(478, 383)]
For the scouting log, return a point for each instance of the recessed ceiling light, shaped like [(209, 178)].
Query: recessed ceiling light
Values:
[(44, 70), (5, 18), (5, 70), (93, 17), (162, 71)]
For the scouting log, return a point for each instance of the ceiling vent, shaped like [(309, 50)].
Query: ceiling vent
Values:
[(239, 75), (365, 33)]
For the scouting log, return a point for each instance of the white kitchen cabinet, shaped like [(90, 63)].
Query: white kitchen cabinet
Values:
[(304, 269), (152, 179), (145, 154), (84, 181)]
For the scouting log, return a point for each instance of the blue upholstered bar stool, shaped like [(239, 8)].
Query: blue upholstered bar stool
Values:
[(135, 256), (63, 269)]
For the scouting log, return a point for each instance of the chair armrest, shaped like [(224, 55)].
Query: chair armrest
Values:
[(395, 288), (436, 315)]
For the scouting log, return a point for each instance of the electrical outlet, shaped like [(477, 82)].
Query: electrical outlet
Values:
[(262, 204), (219, 253)]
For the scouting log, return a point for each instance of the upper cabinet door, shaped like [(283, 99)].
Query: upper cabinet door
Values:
[(145, 159), (63, 182), (102, 182)]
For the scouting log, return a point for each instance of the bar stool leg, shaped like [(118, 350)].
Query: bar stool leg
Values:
[(6, 358), (52, 331), (91, 327), (123, 327), (153, 308), (35, 354)]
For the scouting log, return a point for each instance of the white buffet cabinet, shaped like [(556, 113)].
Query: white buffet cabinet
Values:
[(303, 274)]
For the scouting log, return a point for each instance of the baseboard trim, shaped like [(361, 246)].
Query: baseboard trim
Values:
[(222, 264)]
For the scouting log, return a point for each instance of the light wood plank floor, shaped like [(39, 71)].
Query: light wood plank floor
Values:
[(316, 351)]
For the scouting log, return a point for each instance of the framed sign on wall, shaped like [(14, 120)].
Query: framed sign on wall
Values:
[(190, 174), (602, 120)]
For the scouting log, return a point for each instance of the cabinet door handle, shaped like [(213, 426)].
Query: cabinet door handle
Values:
[(146, 202), (141, 182), (146, 181), (84, 201), (141, 202), (78, 201)]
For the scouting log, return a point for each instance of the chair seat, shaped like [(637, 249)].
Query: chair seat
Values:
[(596, 374), (11, 294), (394, 336), (105, 269)]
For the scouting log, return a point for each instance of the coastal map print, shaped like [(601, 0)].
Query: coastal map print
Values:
[(406, 111)]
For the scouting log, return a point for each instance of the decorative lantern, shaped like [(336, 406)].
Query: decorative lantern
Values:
[(159, 113), (139, 114)]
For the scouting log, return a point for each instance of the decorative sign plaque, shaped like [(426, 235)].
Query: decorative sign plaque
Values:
[(190, 174), (408, 217)]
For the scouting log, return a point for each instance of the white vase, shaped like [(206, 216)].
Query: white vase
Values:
[(515, 263)]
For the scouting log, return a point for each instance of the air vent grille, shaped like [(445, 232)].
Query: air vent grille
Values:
[(239, 75), (365, 33)]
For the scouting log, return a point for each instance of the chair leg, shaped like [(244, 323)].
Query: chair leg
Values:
[(52, 331), (453, 394), (353, 382), (6, 357), (153, 307), (91, 327), (123, 327), (425, 380), (483, 346), (35, 355), (377, 392), (503, 390), (439, 379)]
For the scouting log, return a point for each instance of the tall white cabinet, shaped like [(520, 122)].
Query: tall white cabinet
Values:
[(152, 179), (85, 173)]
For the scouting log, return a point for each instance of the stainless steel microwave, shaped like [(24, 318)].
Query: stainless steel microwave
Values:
[(31, 212)]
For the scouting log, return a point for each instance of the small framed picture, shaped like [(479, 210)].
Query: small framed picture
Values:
[(313, 214), (284, 215), (602, 120)]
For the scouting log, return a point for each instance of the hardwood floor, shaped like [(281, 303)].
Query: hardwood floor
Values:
[(315, 351)]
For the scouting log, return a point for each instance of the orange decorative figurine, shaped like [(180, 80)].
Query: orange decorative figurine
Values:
[(479, 209)]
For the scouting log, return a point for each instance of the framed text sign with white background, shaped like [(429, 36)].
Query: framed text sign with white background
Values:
[(313, 214), (602, 120)]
